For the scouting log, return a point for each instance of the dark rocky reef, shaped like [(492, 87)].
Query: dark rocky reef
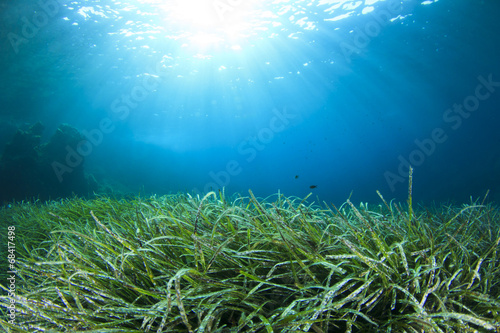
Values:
[(30, 169)]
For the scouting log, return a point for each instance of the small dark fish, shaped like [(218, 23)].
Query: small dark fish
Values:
[(296, 176), (313, 186)]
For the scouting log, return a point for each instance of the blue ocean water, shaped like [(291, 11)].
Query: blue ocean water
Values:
[(333, 97)]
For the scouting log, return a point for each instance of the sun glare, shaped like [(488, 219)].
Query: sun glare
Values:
[(223, 21), (198, 14)]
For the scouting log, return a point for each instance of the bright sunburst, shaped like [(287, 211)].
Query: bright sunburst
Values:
[(199, 14), (207, 22)]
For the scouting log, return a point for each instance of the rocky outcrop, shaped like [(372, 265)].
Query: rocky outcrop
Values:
[(27, 166)]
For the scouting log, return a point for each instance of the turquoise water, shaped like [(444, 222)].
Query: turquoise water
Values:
[(336, 98)]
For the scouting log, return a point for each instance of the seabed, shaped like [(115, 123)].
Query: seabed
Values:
[(182, 263)]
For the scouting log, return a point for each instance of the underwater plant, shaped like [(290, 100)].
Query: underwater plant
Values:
[(182, 263)]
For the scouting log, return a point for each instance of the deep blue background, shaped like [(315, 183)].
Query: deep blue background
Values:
[(351, 118)]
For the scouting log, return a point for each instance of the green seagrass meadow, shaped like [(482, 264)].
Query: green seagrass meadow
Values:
[(182, 263)]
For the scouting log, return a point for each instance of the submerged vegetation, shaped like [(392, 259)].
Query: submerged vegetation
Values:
[(179, 263)]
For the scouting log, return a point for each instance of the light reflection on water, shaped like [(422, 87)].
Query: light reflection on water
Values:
[(222, 22)]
